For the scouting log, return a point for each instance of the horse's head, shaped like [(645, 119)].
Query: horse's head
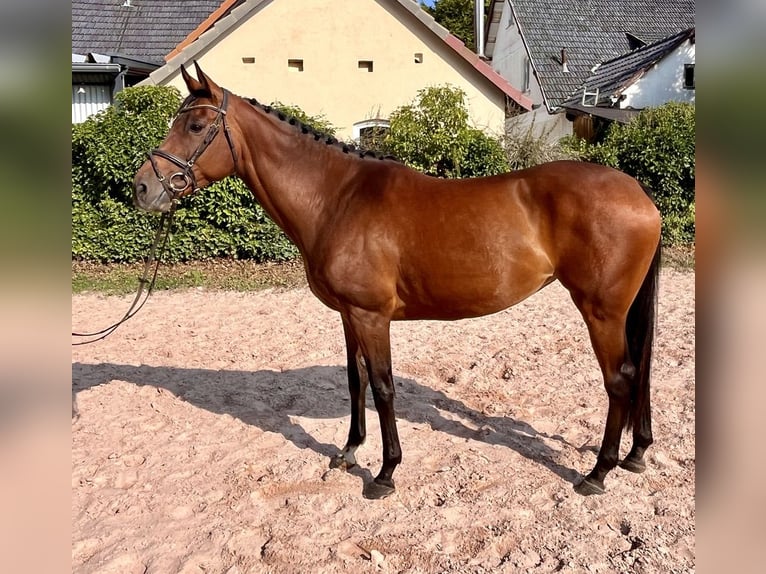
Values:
[(194, 154)]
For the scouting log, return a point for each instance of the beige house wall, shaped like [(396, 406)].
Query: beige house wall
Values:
[(331, 37)]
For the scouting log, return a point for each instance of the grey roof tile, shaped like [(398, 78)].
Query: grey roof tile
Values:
[(146, 30)]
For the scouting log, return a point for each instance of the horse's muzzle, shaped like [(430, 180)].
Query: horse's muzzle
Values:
[(150, 195)]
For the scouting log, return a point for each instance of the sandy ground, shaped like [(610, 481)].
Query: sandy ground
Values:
[(206, 425)]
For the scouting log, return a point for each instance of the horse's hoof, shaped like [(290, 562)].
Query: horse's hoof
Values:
[(589, 486), (341, 462), (376, 490), (633, 465)]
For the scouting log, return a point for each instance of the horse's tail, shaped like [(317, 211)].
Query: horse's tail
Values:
[(639, 329)]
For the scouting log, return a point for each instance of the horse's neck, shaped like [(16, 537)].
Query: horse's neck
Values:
[(286, 170)]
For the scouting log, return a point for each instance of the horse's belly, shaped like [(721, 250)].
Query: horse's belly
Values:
[(464, 295)]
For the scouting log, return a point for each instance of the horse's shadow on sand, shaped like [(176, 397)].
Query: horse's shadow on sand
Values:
[(269, 400)]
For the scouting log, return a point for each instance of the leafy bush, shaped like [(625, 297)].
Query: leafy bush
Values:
[(223, 220), (432, 135), (108, 148), (658, 149)]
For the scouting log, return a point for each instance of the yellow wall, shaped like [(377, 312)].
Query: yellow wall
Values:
[(331, 36)]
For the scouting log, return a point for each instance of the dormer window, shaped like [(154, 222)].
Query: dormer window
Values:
[(634, 42)]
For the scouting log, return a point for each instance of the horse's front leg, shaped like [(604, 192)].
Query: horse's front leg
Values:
[(357, 387), (371, 332)]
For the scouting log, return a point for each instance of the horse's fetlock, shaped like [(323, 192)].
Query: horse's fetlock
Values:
[(608, 461)]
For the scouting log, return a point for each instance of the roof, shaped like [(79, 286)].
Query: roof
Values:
[(94, 68), (221, 11), (201, 37), (591, 31), (146, 30), (613, 76)]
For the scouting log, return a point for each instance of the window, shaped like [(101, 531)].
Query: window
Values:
[(418, 58), (589, 98), (689, 76), (295, 65), (248, 60), (370, 133), (365, 65)]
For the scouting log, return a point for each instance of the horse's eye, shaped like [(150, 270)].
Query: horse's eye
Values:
[(196, 128)]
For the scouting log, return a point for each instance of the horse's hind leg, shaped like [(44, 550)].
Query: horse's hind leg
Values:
[(640, 333), (357, 387), (607, 333), (642, 438)]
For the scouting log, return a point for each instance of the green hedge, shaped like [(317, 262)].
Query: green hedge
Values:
[(223, 220)]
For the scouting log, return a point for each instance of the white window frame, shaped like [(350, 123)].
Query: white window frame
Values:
[(359, 126)]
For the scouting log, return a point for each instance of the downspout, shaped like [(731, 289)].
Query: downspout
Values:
[(119, 82), (478, 27)]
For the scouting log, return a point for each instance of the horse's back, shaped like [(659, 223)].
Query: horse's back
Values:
[(548, 209)]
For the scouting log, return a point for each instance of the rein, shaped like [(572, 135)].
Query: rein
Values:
[(144, 283), (174, 186)]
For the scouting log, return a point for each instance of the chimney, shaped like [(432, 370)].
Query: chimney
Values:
[(564, 67), (478, 26)]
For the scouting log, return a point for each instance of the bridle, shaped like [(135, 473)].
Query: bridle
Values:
[(177, 184)]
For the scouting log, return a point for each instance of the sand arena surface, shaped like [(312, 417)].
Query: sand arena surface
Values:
[(206, 424)]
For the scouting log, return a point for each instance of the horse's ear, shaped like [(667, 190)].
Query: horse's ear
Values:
[(209, 85), (203, 87), (200, 74), (195, 87)]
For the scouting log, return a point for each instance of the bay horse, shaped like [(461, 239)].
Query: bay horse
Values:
[(382, 242)]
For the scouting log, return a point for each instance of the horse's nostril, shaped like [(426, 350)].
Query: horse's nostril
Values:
[(140, 189)]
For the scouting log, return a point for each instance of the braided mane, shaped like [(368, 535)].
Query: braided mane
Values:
[(327, 139)]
